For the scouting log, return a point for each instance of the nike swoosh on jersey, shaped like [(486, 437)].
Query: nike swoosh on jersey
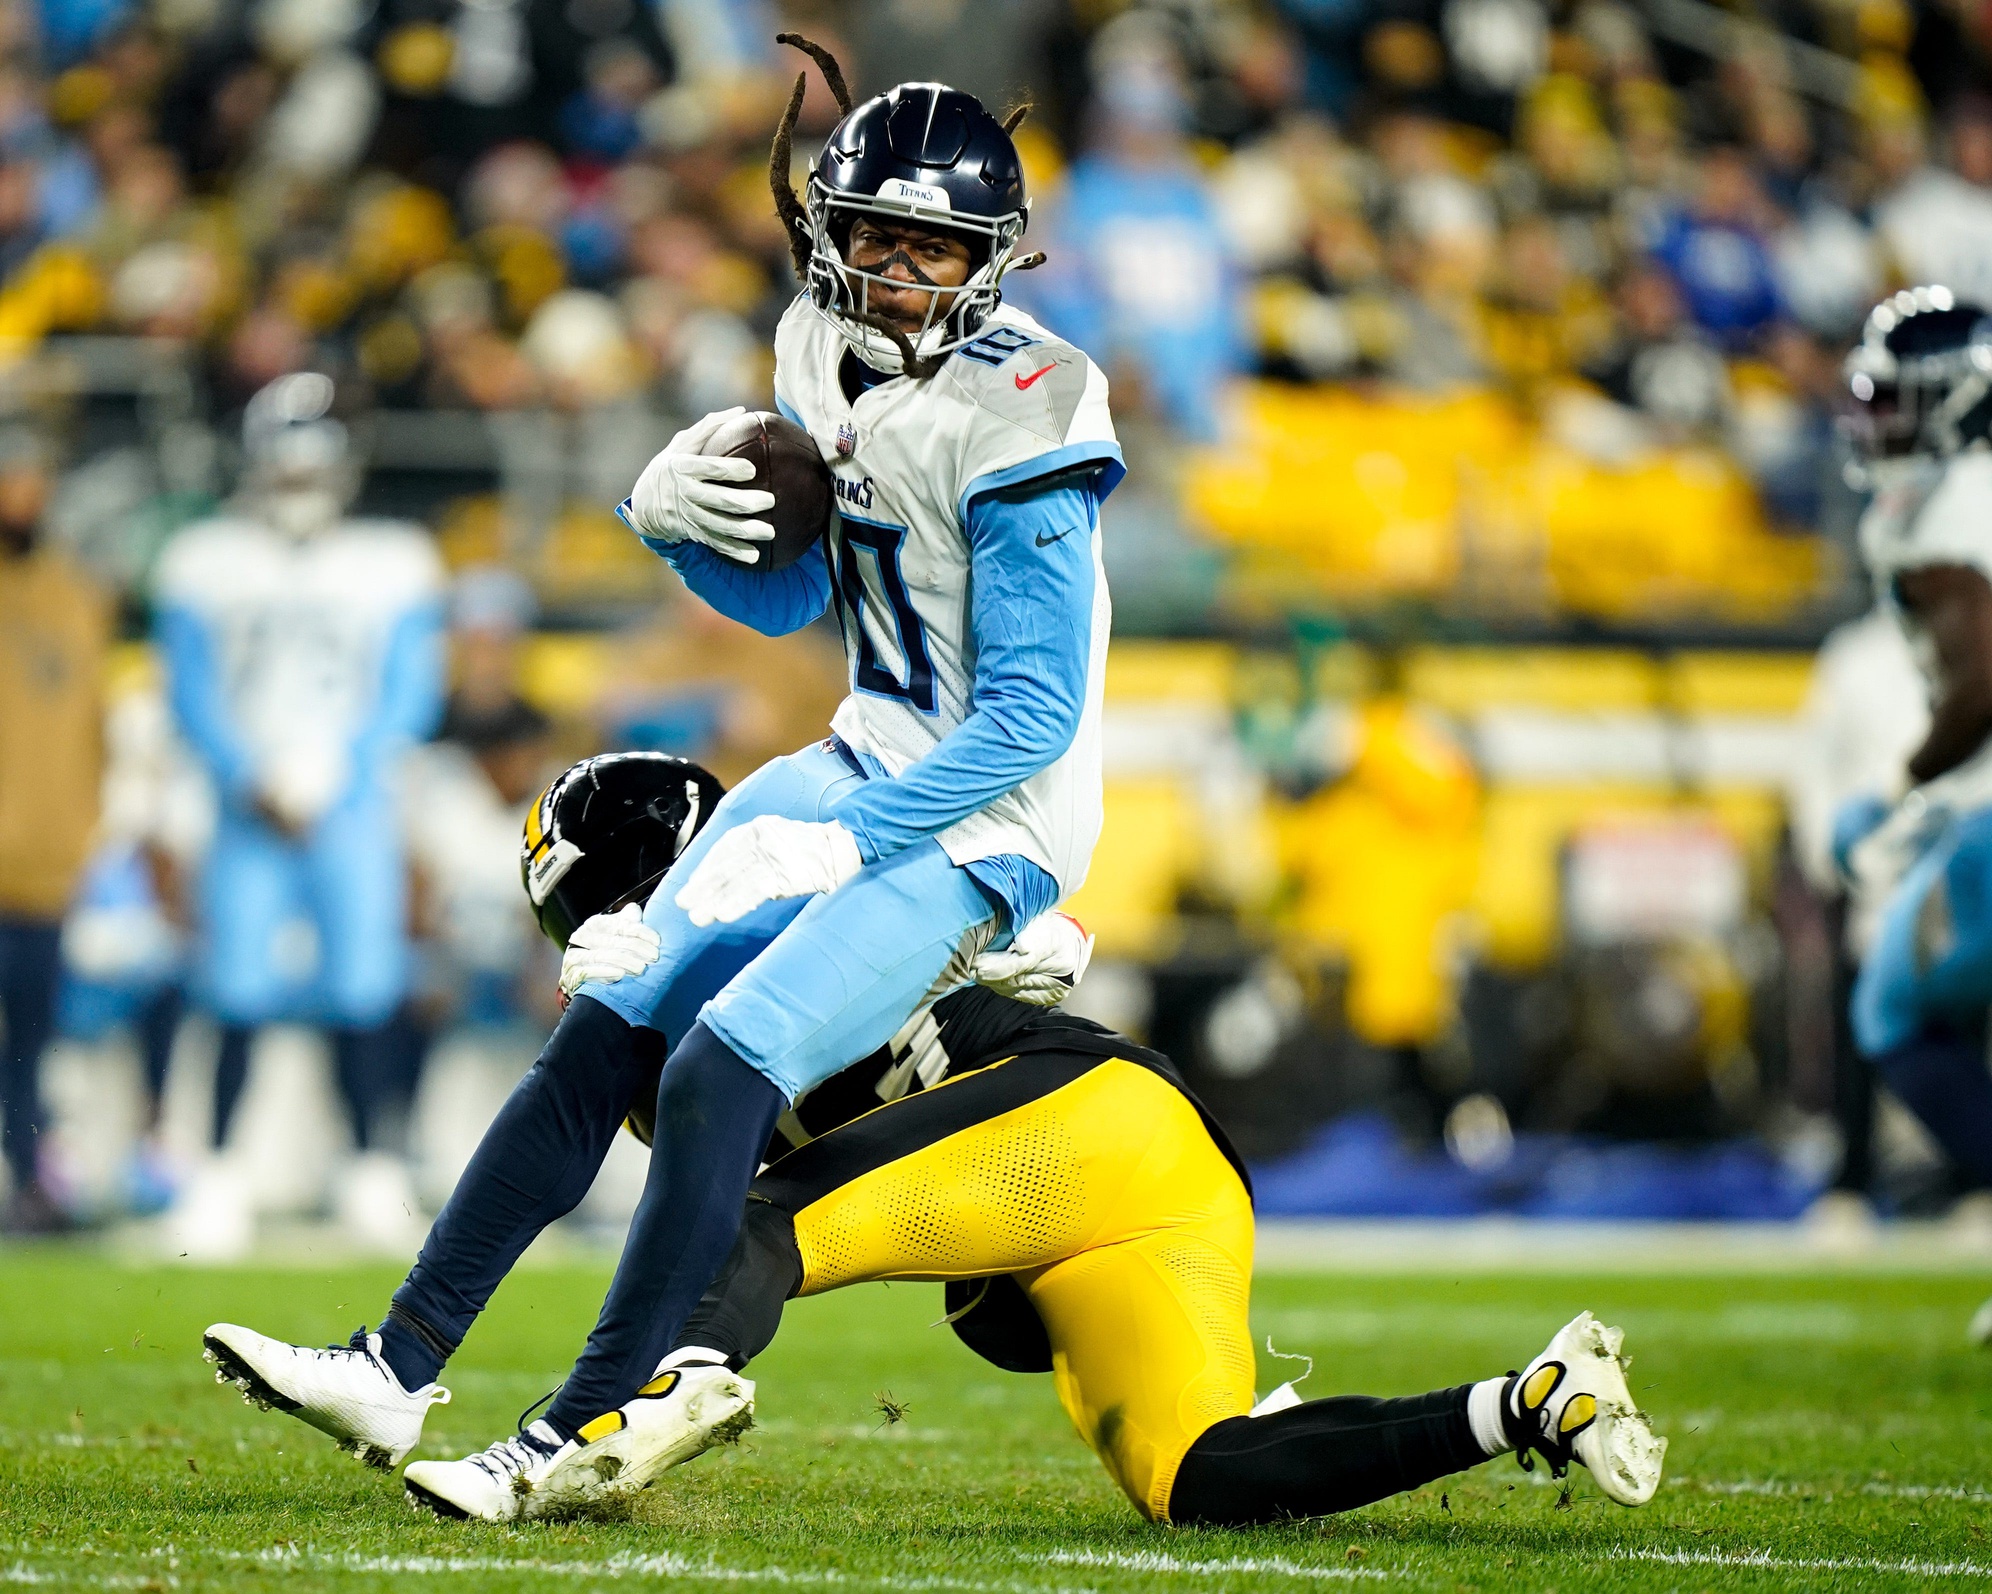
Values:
[(1045, 542), (1023, 381)]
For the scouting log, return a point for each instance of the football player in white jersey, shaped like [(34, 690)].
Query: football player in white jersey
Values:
[(957, 800), (959, 795), (1921, 869), (303, 653)]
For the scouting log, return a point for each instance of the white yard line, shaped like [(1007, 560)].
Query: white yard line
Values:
[(1826, 1491), (665, 1567), (1154, 1561), (669, 1566), (1764, 1560)]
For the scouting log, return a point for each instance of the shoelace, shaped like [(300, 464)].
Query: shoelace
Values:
[(359, 1345), (509, 1457)]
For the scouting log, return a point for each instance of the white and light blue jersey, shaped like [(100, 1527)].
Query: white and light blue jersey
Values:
[(300, 666), (964, 566)]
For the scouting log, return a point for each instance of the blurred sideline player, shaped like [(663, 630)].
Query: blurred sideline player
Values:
[(957, 799), (1094, 1223), (1921, 869), (303, 652)]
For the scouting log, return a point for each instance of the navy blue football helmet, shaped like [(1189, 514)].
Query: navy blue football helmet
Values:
[(919, 152), (1921, 377)]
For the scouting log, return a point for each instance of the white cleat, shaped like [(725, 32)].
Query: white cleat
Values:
[(503, 1483), (1572, 1404), (346, 1391), (677, 1415)]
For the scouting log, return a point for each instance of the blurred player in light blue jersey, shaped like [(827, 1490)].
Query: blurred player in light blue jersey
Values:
[(303, 651), (956, 801), (1921, 866)]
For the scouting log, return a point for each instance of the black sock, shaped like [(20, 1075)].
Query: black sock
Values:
[(739, 1314), (533, 1165), (1324, 1456), (715, 1112), (413, 1349)]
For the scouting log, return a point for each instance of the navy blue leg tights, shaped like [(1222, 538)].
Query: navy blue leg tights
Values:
[(1943, 1080), (533, 1166), (715, 1112)]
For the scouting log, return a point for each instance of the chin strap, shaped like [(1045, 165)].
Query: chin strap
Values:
[(911, 362)]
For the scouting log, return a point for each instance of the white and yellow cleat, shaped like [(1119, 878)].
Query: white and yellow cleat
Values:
[(1572, 1404), (501, 1483), (679, 1414), (346, 1391)]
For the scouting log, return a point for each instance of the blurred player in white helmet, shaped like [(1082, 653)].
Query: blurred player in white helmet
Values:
[(303, 651), (1921, 870)]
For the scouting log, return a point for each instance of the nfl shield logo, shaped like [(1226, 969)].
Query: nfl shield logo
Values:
[(847, 440)]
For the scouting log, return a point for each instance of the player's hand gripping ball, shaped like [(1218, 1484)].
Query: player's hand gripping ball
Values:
[(750, 485)]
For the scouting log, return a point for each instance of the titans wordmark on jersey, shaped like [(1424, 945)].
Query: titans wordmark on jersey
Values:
[(1016, 405)]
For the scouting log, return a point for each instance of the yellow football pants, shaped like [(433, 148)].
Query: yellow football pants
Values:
[(1127, 1227)]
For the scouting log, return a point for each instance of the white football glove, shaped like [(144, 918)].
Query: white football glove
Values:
[(680, 497), (1043, 962), (767, 858), (607, 948)]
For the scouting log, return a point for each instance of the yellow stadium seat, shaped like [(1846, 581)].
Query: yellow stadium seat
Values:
[(1464, 681), (1678, 532), (1738, 683), (1349, 494), (1202, 673)]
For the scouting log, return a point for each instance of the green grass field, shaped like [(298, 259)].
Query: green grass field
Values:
[(1828, 1432)]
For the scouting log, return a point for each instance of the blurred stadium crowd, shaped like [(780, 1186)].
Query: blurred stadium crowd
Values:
[(1476, 363)]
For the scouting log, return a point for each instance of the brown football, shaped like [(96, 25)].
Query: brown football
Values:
[(787, 464)]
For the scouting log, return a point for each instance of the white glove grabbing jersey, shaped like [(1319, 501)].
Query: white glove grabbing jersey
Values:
[(682, 497), (607, 948), (1044, 962)]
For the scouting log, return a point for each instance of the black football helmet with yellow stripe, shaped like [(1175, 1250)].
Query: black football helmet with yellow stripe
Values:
[(606, 830)]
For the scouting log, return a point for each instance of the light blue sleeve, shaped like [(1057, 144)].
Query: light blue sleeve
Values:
[(1932, 954), (200, 703), (1959, 981), (1031, 573), (413, 679), (774, 602)]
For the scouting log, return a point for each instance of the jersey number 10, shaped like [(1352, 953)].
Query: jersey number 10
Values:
[(868, 578)]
